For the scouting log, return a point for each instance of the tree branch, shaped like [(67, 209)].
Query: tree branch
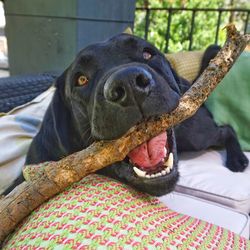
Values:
[(44, 181)]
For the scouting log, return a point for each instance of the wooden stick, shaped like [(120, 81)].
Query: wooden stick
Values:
[(45, 182)]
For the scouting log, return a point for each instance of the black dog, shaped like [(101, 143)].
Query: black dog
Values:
[(112, 86)]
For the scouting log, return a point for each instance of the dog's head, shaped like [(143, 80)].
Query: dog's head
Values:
[(113, 85)]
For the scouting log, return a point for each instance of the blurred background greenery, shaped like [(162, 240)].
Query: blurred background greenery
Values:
[(205, 22)]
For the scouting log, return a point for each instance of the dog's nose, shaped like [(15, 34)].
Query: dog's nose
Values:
[(128, 83)]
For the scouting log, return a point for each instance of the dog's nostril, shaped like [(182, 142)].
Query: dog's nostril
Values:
[(142, 81), (118, 93)]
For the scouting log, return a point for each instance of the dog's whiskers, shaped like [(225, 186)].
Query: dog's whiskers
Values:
[(85, 133), (90, 139)]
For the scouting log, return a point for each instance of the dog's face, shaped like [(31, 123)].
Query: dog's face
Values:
[(112, 86)]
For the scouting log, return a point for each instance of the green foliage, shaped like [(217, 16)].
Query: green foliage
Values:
[(204, 29)]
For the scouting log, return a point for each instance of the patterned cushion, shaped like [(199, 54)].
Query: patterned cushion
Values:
[(187, 64), (100, 213)]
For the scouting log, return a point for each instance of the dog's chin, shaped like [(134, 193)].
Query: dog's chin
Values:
[(157, 181)]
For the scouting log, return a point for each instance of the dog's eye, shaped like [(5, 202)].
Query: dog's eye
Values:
[(147, 54), (82, 80)]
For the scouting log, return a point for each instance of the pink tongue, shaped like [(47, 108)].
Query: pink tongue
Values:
[(150, 153)]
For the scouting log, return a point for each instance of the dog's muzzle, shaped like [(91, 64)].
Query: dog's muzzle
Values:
[(128, 84)]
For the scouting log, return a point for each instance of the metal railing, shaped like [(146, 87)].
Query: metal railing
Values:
[(174, 11)]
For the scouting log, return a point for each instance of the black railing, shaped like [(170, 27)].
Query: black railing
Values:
[(174, 11)]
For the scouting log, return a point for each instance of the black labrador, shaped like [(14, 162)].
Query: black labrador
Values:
[(110, 87)]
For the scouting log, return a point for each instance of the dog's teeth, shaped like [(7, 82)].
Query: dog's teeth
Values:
[(165, 151), (139, 172), (167, 170), (169, 164), (170, 161), (163, 172), (168, 167)]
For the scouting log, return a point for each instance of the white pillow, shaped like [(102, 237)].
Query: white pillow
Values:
[(211, 212), (17, 129), (204, 175)]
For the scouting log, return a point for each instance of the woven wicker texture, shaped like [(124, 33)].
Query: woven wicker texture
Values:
[(17, 90), (187, 64), (100, 213)]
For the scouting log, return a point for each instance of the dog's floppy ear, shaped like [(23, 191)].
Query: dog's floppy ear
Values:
[(210, 52), (60, 81), (182, 83), (60, 85)]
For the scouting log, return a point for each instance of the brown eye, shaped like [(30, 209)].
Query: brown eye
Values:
[(82, 80), (147, 55)]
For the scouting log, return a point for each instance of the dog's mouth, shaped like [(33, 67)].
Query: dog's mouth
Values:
[(151, 167), (153, 158)]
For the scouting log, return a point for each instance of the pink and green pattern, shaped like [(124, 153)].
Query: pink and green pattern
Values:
[(100, 213)]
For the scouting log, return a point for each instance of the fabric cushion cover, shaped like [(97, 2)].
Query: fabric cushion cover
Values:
[(186, 64), (100, 213), (17, 129), (212, 212), (204, 175)]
